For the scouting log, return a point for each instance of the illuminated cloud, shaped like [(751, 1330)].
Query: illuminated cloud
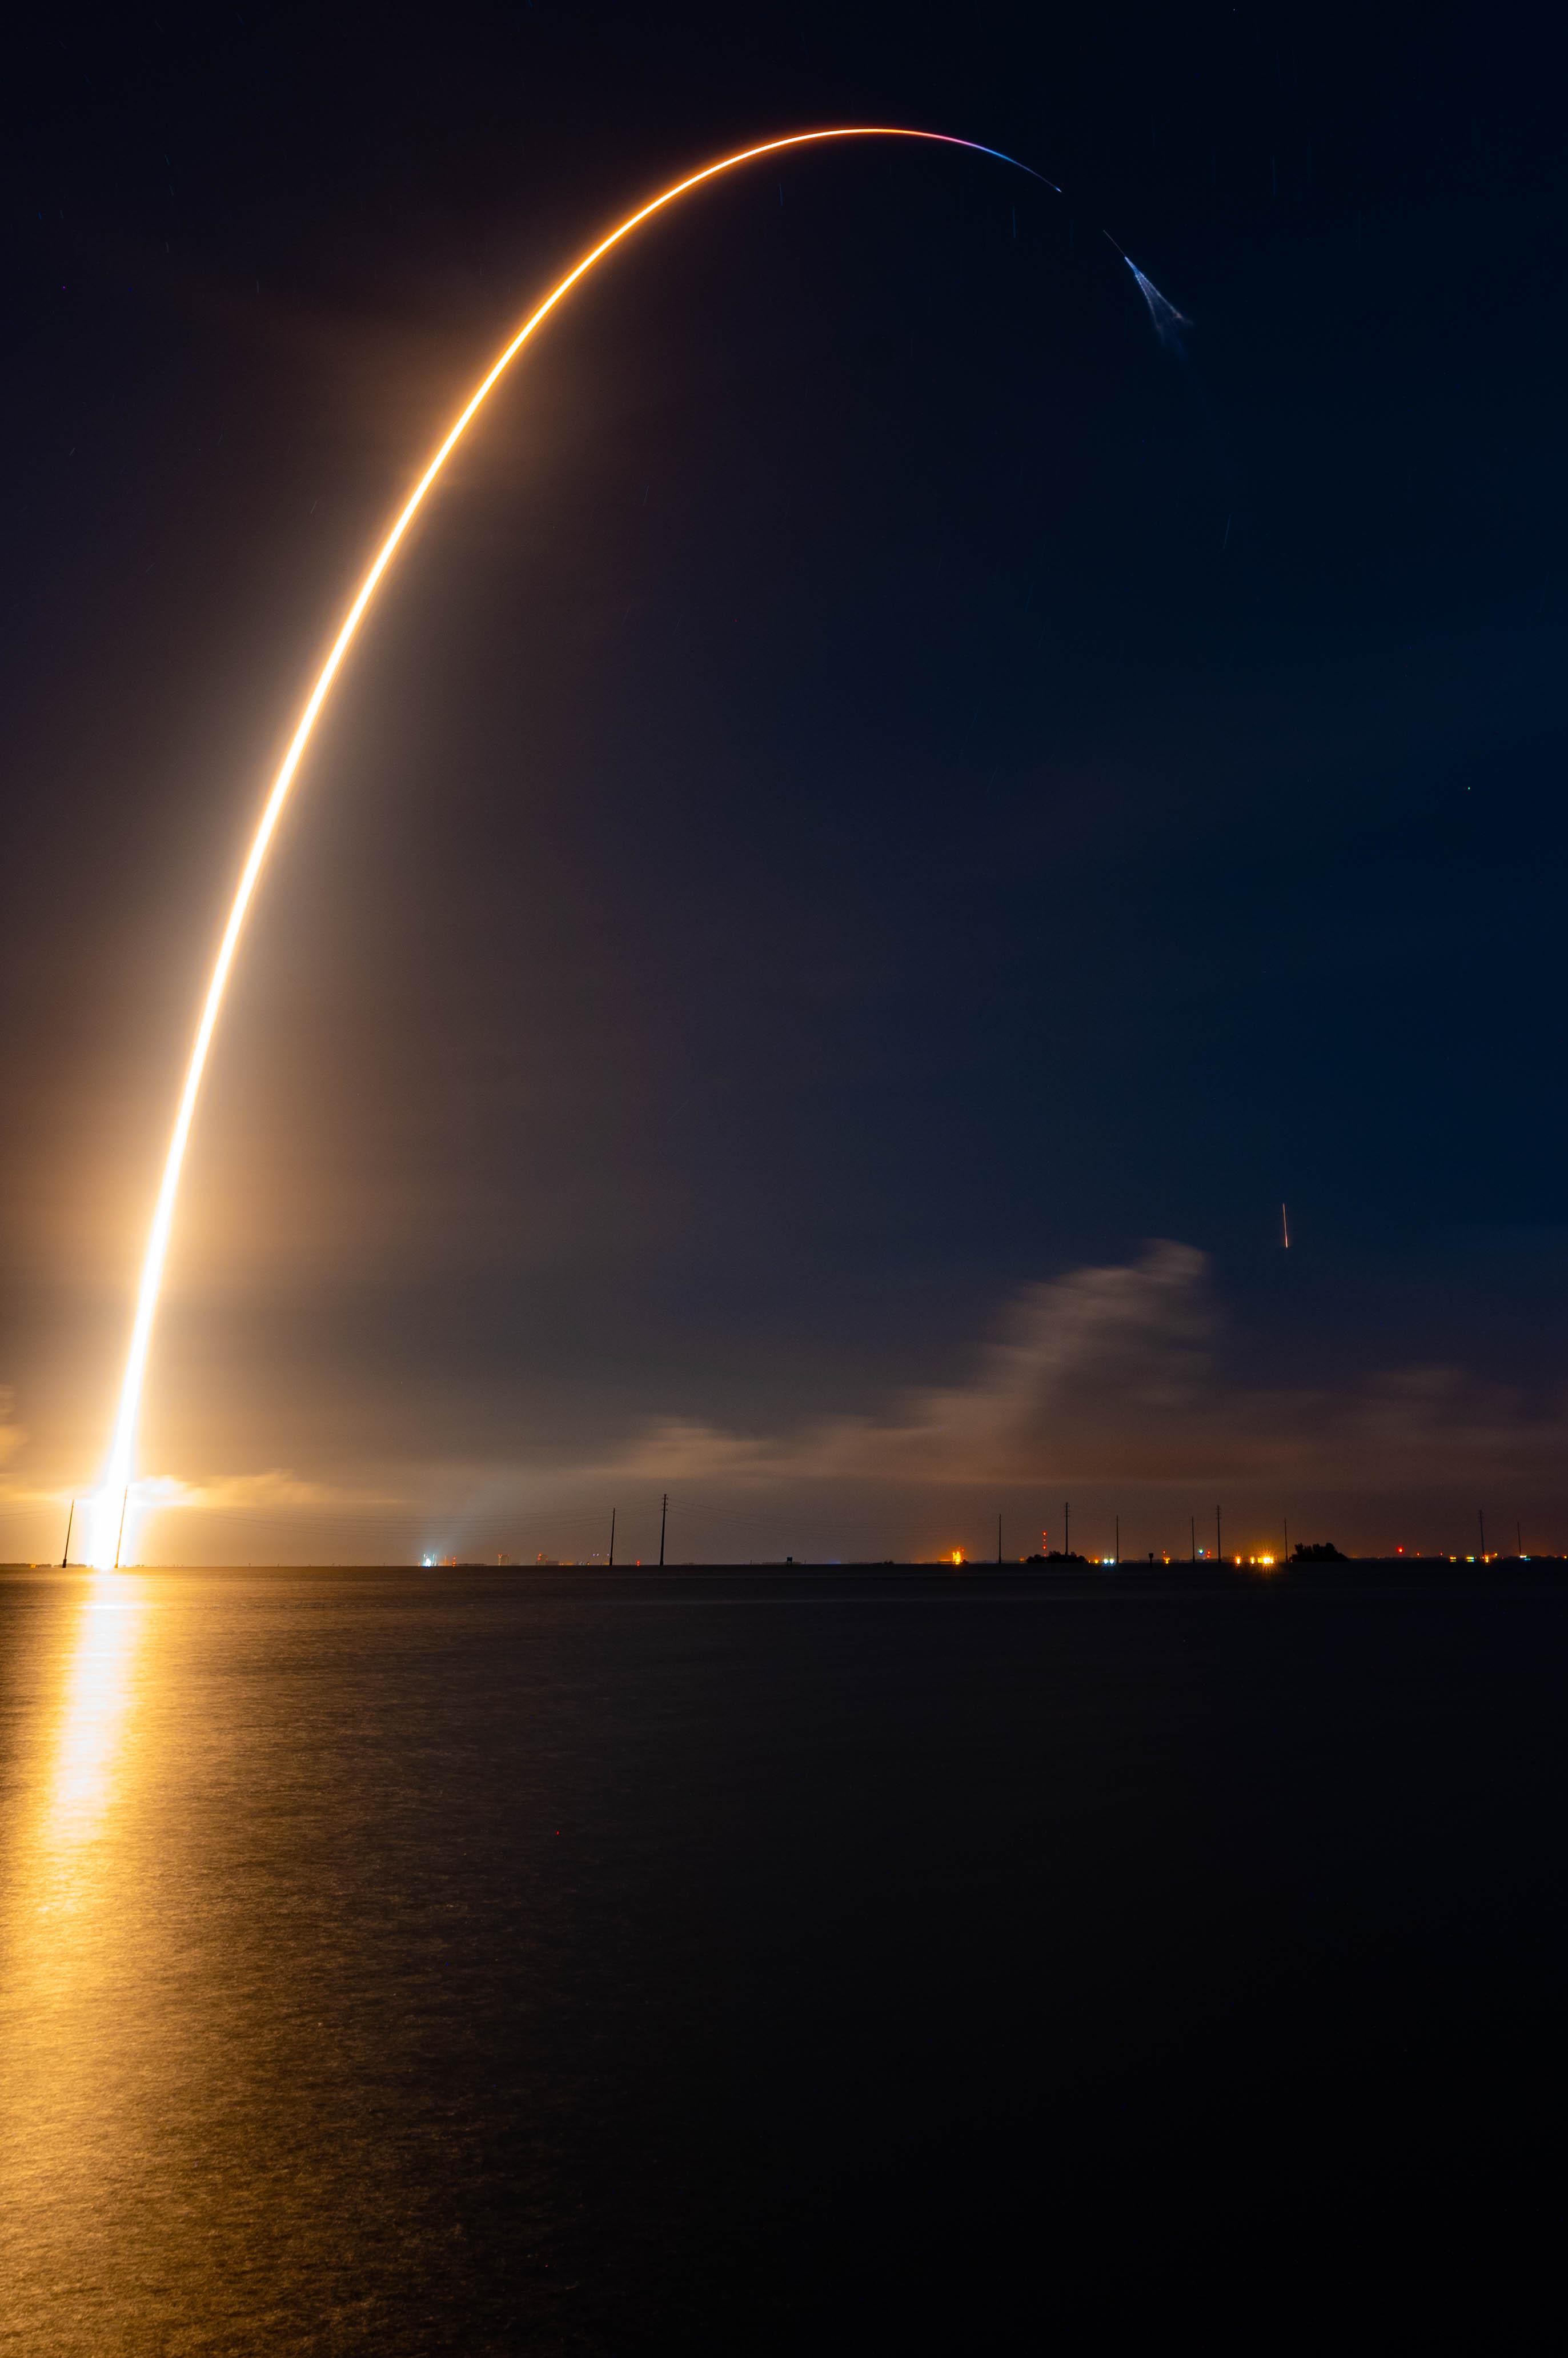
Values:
[(12, 1434), (1087, 1362), (255, 1493), (1113, 1374)]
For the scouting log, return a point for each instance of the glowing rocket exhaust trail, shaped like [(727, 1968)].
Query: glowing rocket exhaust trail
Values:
[(118, 1472)]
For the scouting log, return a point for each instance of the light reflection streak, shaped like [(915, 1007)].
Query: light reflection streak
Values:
[(94, 1711), (58, 1860), (67, 2004)]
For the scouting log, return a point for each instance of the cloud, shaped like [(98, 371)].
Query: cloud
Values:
[(1115, 1374), (12, 1434), (1082, 1366), (251, 1494)]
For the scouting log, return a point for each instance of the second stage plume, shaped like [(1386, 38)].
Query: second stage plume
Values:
[(1169, 323)]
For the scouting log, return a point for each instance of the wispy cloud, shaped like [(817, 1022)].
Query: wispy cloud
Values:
[(1115, 1374), (1081, 1364), (277, 1490)]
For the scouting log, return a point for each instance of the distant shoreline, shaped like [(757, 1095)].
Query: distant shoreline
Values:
[(1077, 1574)]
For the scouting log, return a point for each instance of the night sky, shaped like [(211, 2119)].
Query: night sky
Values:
[(885, 822)]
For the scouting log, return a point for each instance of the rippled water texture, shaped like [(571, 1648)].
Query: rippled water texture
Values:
[(404, 1962)]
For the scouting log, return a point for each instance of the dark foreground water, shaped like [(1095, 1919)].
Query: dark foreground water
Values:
[(402, 1963)]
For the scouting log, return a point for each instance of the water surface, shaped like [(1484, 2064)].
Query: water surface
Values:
[(404, 1961)]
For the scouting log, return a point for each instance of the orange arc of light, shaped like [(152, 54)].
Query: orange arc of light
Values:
[(122, 1445)]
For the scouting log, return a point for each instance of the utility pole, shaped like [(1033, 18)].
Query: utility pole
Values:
[(611, 1565), (663, 1511), (70, 1519), (120, 1537)]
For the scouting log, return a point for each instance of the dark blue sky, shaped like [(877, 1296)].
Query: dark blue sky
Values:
[(878, 785)]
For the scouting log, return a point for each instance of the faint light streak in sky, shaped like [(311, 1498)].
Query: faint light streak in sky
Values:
[(1168, 321)]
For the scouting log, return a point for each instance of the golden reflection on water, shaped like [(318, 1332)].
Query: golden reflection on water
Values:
[(66, 1900), (94, 1710)]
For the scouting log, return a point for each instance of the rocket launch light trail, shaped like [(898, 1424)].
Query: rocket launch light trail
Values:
[(108, 1506)]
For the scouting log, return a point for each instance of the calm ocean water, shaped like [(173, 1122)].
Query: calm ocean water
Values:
[(414, 1962)]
